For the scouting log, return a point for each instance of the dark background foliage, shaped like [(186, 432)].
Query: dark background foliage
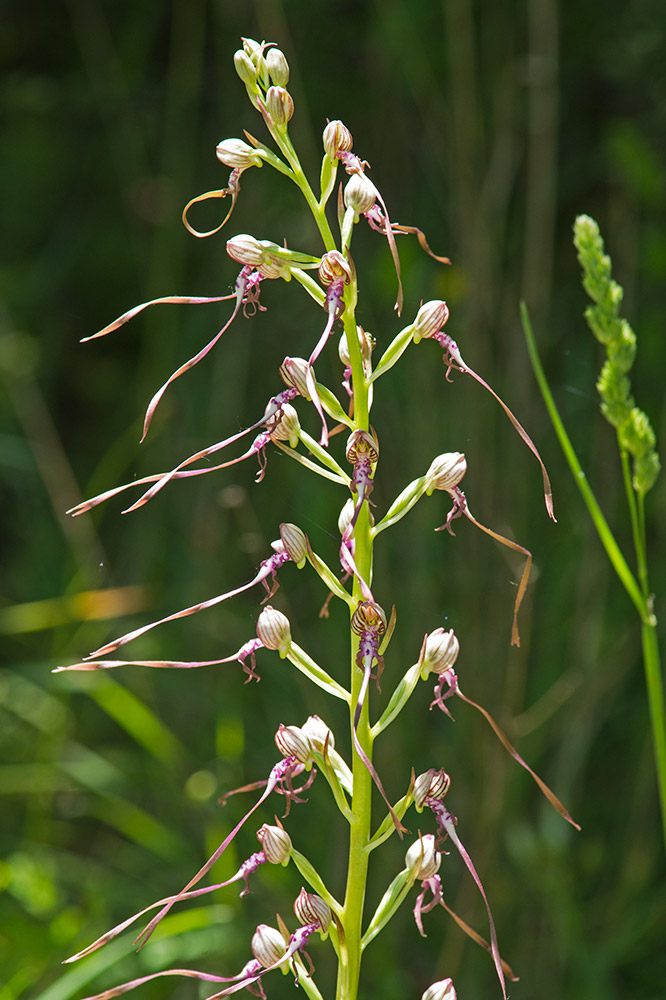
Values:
[(490, 126)]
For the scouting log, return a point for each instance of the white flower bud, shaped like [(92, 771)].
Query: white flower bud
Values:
[(343, 350), (311, 909), (360, 193), (445, 471), (423, 859), (287, 427), (268, 945), (279, 104), (430, 319), (269, 259), (295, 543), (274, 631), (319, 734), (245, 249), (275, 843), (337, 138), (278, 67), (255, 52), (443, 990), (346, 514), (253, 49), (441, 652), (292, 742), (366, 342), (293, 372), (432, 784), (245, 68), (236, 153)]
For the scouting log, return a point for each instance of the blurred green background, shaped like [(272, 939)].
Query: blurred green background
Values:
[(490, 126)]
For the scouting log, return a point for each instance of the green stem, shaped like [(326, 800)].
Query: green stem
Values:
[(359, 835), (318, 211), (641, 551), (655, 691), (361, 806), (639, 541)]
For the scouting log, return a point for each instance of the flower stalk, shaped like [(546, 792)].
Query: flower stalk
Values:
[(311, 748)]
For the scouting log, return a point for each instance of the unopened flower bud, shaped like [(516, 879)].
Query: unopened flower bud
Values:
[(279, 104), (275, 843), (293, 372), (366, 342), (245, 68), (295, 543), (441, 652), (278, 67), (287, 427), (268, 945), (319, 734), (334, 265), (291, 741), (337, 138), (432, 784), (245, 249), (346, 515), (274, 631), (445, 471), (443, 990), (423, 859), (236, 153), (311, 909), (360, 194), (255, 52), (430, 319)]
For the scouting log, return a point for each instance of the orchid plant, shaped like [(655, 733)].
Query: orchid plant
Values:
[(329, 277)]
